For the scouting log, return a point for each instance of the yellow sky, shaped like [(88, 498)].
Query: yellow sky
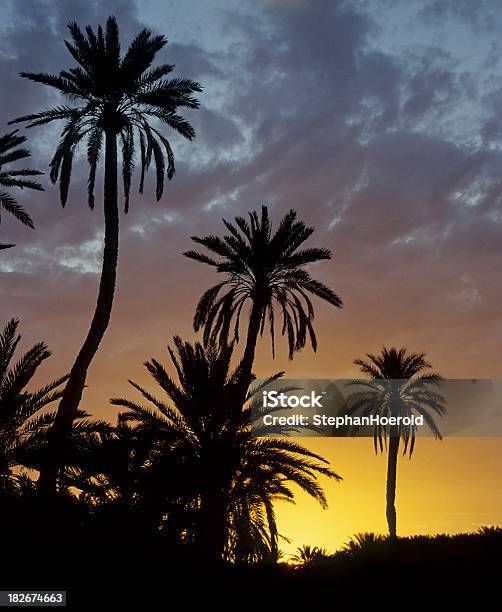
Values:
[(449, 486)]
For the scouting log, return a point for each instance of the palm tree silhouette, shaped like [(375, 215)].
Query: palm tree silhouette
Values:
[(400, 386), (119, 96), (268, 270), (24, 421), (363, 541), (17, 405), (202, 435), (309, 555), (9, 152)]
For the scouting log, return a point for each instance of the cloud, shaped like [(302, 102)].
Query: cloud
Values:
[(391, 155)]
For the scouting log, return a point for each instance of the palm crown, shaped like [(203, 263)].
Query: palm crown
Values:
[(119, 95), (202, 431), (17, 405), (15, 177), (400, 385), (269, 270)]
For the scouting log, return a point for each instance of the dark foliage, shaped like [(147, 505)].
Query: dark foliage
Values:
[(15, 178), (266, 269), (186, 464)]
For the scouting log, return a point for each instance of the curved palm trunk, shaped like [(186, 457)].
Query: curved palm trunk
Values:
[(74, 387), (391, 483), (246, 365)]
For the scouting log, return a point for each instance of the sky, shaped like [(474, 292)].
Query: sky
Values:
[(378, 121)]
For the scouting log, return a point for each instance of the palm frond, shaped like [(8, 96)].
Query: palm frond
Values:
[(117, 95)]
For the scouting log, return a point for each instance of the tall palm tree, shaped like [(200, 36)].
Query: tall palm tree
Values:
[(201, 434), (268, 270), (9, 177), (118, 97), (17, 405), (400, 385)]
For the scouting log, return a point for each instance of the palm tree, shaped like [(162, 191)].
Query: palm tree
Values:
[(118, 98), (400, 385), (268, 269), (17, 405), (9, 152), (109, 472), (201, 438), (363, 541), (309, 555)]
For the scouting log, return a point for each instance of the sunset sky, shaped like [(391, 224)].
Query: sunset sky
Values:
[(379, 122)]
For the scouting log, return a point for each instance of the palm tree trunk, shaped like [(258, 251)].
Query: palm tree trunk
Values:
[(213, 531), (74, 387), (391, 482), (246, 365)]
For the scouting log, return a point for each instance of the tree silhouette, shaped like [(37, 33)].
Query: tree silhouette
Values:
[(119, 96), (24, 424), (309, 555), (363, 542), (9, 152), (201, 439), (401, 385), (17, 405), (112, 473), (268, 270)]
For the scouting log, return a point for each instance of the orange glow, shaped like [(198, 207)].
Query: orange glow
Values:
[(449, 486)]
